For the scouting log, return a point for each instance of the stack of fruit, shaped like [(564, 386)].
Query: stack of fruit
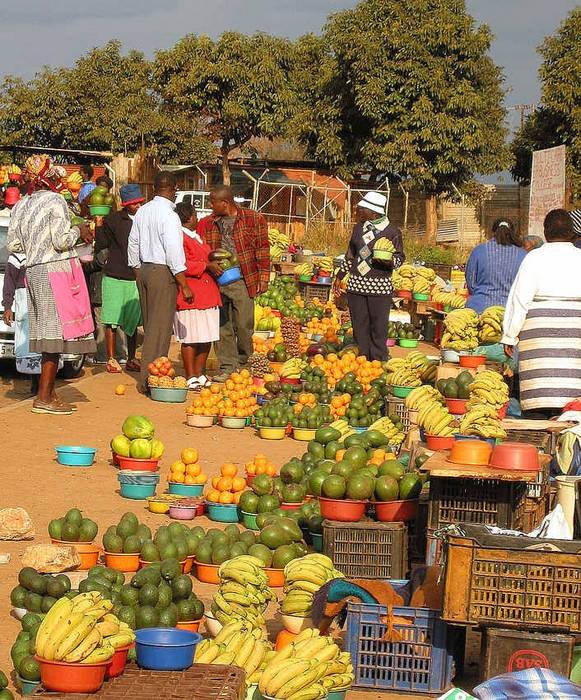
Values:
[(325, 327), (260, 464), (292, 369), (490, 325), (100, 197), (36, 592), (74, 182), (451, 299), (424, 280), (482, 421), (291, 331), (400, 372), (23, 651), (311, 416), (236, 644), (158, 596), (279, 541), (258, 365), (383, 249), (421, 396), (274, 414), (208, 402), (461, 330), (163, 375), (280, 294), (348, 363), (488, 388), (302, 579), (217, 546), (73, 528), (426, 369), (339, 405), (228, 487), (304, 269), (307, 669), (260, 497), (187, 469), (264, 319), (137, 440), (456, 387), (103, 580), (279, 243), (323, 265), (436, 420), (239, 399)]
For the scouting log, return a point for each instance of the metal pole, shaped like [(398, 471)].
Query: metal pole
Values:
[(204, 176)]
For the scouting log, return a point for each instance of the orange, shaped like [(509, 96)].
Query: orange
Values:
[(260, 460), (200, 479), (213, 495), (270, 469), (205, 393), (228, 469), (229, 385), (197, 403), (178, 467), (226, 497), (193, 469), (238, 483), (251, 469), (215, 481), (178, 478), (236, 378), (245, 374), (189, 455), (224, 484), (189, 479), (215, 389), (236, 497), (120, 389)]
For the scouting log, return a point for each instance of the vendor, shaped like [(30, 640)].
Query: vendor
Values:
[(492, 267), (369, 287)]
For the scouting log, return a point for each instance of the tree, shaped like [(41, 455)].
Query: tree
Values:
[(407, 88), (238, 87), (540, 130)]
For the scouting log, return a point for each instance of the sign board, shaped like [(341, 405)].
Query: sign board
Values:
[(547, 186)]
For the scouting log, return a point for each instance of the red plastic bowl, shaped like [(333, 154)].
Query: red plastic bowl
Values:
[(502, 411), (437, 442), (396, 511), (118, 662), (403, 294), (515, 456), (472, 360), (62, 677), (344, 511), (138, 465), (291, 506), (290, 380), (115, 458), (249, 479), (457, 407)]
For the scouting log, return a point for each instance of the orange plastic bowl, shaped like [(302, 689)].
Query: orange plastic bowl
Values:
[(127, 563), (88, 552), (515, 456), (275, 577), (347, 511), (437, 442), (503, 411), (192, 626), (61, 677), (187, 567), (118, 662), (470, 452), (396, 511), (457, 407), (207, 573), (472, 360)]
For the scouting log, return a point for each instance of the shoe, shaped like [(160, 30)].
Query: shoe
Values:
[(197, 383), (55, 409)]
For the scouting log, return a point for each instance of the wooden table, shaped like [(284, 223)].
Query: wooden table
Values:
[(439, 466)]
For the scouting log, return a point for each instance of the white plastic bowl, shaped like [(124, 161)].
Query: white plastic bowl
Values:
[(295, 624), (212, 625)]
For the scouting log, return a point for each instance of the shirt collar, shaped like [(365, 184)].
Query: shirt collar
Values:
[(192, 234), (378, 224), (165, 200)]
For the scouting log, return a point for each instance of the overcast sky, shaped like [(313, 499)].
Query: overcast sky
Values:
[(55, 32)]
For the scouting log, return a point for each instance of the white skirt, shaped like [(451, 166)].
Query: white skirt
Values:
[(197, 325)]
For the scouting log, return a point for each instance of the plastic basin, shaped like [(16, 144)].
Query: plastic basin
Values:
[(390, 342), (275, 577), (272, 433), (304, 434), (383, 254), (230, 275), (470, 452), (190, 626), (295, 623), (207, 573), (408, 342), (88, 552), (138, 465), (118, 662), (75, 456), (294, 381), (402, 391), (99, 209), (396, 511), (502, 411), (158, 506), (187, 567), (421, 297), (490, 441), (222, 512), (457, 407), (185, 489), (127, 563), (317, 540), (472, 360), (515, 456), (338, 694), (249, 520), (200, 421), (345, 511), (451, 356), (438, 442), (27, 687), (292, 506), (138, 492), (178, 512), (234, 422), (167, 395), (165, 649), (62, 677), (213, 626), (403, 294)]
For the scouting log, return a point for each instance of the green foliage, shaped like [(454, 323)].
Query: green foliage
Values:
[(432, 254), (540, 130)]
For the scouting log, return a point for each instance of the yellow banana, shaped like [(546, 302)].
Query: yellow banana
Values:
[(60, 633), (75, 637), (99, 655), (55, 617), (292, 669), (89, 643)]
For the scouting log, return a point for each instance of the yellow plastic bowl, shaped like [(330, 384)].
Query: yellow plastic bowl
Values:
[(156, 506), (304, 434), (272, 433)]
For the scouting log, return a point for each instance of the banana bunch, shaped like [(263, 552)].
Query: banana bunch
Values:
[(425, 368), (488, 388), (324, 263), (461, 330), (400, 372), (436, 420), (490, 326), (304, 269), (81, 630), (385, 426), (298, 671), (343, 427), (407, 270), (75, 177), (302, 579), (401, 283), (482, 421), (421, 285), (456, 301), (13, 169), (429, 372), (236, 645), (292, 369), (279, 243), (426, 273), (243, 593), (423, 396), (385, 245)]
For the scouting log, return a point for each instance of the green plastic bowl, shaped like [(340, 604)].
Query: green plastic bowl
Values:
[(167, 395), (222, 512), (421, 297), (249, 520), (338, 694), (99, 209), (383, 254), (402, 391), (408, 343)]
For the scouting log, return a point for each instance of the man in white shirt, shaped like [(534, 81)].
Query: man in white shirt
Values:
[(156, 251)]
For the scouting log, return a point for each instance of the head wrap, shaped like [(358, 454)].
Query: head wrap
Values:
[(41, 173)]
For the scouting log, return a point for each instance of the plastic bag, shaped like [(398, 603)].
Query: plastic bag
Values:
[(554, 526)]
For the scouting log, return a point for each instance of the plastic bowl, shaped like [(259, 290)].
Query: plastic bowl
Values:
[(118, 661), (402, 391), (187, 567), (294, 381), (213, 626), (304, 434), (472, 360), (249, 520), (383, 254), (178, 512), (390, 342), (338, 693), (99, 209), (26, 687), (234, 422), (421, 297), (317, 540), (490, 441), (292, 506), (207, 573), (88, 552), (75, 456), (515, 456), (502, 411), (127, 563), (200, 421), (272, 433), (62, 677), (345, 511), (138, 465), (457, 406), (275, 577), (179, 489), (438, 442), (165, 649), (167, 395), (408, 342), (230, 275), (396, 511), (222, 512), (158, 505), (451, 356), (403, 294), (191, 625), (296, 624), (138, 492), (470, 452)]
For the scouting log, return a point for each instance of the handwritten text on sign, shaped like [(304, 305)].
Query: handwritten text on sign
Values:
[(547, 186)]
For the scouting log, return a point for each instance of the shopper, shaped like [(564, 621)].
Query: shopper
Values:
[(88, 185), (369, 287), (243, 232), (156, 253), (120, 310)]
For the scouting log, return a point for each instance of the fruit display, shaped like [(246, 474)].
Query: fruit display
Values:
[(274, 414), (235, 398), (348, 362), (228, 487), (187, 469), (258, 365), (435, 419), (260, 497), (393, 483), (488, 388), (162, 374), (158, 595), (264, 319), (279, 541), (73, 527), (81, 630), (483, 421), (260, 464), (292, 369), (280, 294), (446, 298), (23, 650), (456, 387), (323, 264), (383, 249), (304, 269), (411, 278), (290, 329), (315, 382), (421, 396), (490, 324), (217, 546), (226, 259), (137, 440), (327, 327), (310, 416), (236, 644), (307, 669), (127, 536), (400, 372), (38, 592), (279, 243), (422, 285), (103, 580), (243, 593), (461, 330), (339, 405), (101, 196), (302, 579)]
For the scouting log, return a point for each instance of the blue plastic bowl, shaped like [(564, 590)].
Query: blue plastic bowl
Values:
[(27, 687), (167, 395), (75, 456), (222, 512), (128, 476), (185, 489), (138, 492), (165, 648), (230, 275)]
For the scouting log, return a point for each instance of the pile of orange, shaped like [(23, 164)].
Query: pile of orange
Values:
[(304, 399), (326, 326), (339, 405), (187, 469), (207, 401), (336, 368), (260, 465), (239, 399), (228, 487)]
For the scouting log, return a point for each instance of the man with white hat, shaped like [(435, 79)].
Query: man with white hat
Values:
[(369, 288)]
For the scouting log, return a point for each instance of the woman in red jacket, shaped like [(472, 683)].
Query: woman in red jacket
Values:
[(197, 324)]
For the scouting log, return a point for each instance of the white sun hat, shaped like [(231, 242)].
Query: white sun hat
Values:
[(374, 201)]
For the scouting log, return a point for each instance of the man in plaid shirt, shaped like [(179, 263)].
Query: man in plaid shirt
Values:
[(243, 232)]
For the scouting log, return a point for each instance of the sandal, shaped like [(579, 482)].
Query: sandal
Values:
[(55, 409), (132, 366), (113, 367)]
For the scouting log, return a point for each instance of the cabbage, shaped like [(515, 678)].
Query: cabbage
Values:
[(120, 445), (156, 449), (140, 449), (138, 427)]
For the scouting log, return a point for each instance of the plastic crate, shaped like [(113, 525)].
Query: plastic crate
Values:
[(508, 580), (535, 511), (478, 501), (311, 290), (541, 439), (396, 407), (367, 549), (422, 662)]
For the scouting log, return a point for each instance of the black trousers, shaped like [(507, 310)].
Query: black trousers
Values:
[(370, 316)]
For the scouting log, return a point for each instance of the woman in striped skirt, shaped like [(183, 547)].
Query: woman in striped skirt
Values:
[(543, 315)]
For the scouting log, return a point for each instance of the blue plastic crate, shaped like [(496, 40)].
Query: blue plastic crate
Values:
[(422, 662)]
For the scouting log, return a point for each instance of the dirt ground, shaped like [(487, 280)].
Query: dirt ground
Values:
[(32, 479)]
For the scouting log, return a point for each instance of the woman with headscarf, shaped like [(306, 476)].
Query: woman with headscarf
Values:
[(58, 302), (492, 267)]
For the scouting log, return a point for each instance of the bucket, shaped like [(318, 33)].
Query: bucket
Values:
[(566, 496)]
